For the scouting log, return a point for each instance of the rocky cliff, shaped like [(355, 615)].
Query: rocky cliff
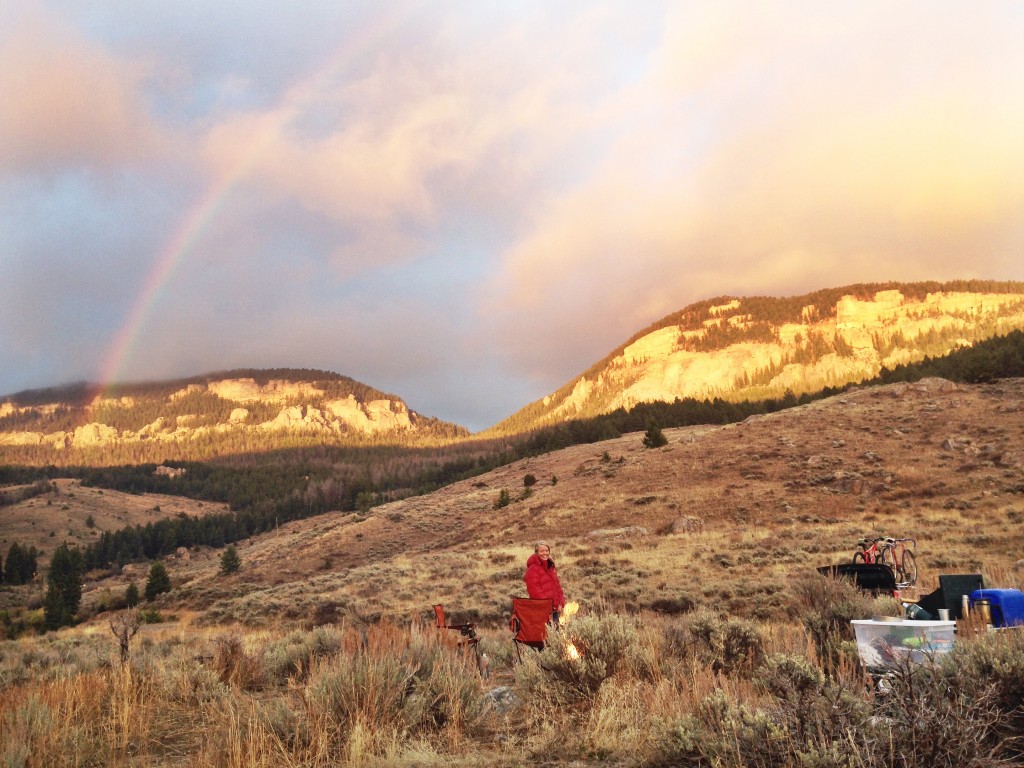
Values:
[(754, 348), (240, 407)]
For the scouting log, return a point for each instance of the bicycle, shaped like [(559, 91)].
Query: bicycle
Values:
[(892, 553)]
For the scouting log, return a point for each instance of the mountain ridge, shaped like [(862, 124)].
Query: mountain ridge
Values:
[(237, 406), (726, 347), (751, 348)]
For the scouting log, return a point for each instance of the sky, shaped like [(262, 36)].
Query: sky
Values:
[(466, 203)]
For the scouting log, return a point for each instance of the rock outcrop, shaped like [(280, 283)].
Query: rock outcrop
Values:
[(304, 409), (734, 354)]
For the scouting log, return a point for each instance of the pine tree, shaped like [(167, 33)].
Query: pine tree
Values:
[(12, 575), (29, 566), (654, 437), (64, 587), (230, 561), (158, 581), (131, 595), (54, 613)]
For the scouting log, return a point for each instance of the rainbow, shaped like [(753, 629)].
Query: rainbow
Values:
[(204, 209)]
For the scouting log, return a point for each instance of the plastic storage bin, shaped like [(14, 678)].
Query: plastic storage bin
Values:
[(888, 644), (1005, 605)]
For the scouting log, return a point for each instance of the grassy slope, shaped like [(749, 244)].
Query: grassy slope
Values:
[(763, 499)]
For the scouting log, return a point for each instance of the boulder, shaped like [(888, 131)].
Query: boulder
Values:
[(501, 699)]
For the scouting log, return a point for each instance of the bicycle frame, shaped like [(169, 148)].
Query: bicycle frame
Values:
[(869, 549), (891, 552)]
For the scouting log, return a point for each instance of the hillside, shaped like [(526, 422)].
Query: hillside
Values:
[(753, 348), (234, 412), (729, 515), (64, 514)]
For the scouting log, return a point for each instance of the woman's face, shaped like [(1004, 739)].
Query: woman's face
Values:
[(544, 553)]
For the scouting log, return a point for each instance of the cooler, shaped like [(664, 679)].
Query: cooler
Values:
[(1005, 605)]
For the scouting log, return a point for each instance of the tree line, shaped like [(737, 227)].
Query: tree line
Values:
[(64, 587)]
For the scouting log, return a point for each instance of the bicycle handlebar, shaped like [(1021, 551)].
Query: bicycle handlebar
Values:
[(887, 539)]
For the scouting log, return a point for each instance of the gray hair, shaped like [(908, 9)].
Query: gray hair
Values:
[(540, 544)]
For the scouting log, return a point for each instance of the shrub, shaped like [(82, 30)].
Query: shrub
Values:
[(295, 654), (236, 667), (826, 606), (927, 723), (602, 643), (446, 692), (504, 499), (991, 668), (814, 708), (654, 437), (726, 645), (673, 605), (385, 682), (737, 734)]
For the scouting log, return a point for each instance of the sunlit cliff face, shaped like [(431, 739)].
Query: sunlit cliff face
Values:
[(829, 346), (291, 402)]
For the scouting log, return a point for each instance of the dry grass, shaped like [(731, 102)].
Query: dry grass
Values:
[(649, 690)]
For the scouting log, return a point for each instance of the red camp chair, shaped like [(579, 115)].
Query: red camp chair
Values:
[(530, 622), (469, 638), (468, 631)]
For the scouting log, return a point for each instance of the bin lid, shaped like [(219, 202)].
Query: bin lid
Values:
[(905, 623)]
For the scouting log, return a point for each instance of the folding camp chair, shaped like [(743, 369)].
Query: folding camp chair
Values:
[(468, 631), (529, 622), (469, 638)]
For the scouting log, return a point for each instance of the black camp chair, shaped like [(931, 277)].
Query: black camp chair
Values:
[(467, 638)]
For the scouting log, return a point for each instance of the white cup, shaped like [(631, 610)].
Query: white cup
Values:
[(943, 614)]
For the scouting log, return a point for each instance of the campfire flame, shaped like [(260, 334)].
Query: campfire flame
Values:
[(568, 611)]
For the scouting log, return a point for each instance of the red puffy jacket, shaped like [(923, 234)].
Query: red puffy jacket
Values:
[(542, 581)]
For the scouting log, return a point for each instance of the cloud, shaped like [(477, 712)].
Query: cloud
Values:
[(509, 191), (67, 102), (452, 130), (773, 151)]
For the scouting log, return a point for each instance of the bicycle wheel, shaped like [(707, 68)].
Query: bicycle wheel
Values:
[(858, 558), (887, 557), (908, 568)]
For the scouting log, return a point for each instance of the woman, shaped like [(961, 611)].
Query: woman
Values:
[(542, 579)]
